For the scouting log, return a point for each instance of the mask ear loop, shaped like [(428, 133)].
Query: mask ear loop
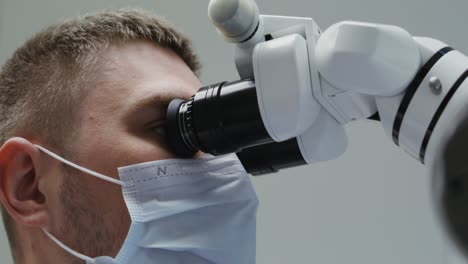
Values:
[(69, 250), (90, 172)]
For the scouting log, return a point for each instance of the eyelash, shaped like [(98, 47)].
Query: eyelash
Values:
[(159, 129)]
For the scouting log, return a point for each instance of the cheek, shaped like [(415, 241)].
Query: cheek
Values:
[(105, 148), (141, 144), (143, 149)]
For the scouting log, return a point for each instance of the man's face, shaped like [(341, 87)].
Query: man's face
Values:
[(119, 118)]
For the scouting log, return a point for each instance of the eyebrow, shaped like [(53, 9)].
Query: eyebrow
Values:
[(157, 102)]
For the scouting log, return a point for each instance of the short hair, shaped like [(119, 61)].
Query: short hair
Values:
[(41, 85)]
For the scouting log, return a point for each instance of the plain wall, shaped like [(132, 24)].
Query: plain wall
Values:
[(372, 205)]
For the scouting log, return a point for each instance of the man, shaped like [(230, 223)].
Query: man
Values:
[(94, 91)]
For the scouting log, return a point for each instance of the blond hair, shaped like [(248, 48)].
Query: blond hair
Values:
[(43, 83)]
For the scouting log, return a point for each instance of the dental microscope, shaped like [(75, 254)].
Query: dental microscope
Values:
[(299, 86)]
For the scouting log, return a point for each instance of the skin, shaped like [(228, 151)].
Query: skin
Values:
[(86, 213)]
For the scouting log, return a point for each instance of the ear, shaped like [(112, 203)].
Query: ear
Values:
[(19, 183)]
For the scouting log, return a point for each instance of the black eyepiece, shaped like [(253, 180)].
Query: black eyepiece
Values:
[(176, 129), (219, 119)]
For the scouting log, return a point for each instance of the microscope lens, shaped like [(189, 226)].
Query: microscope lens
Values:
[(219, 119)]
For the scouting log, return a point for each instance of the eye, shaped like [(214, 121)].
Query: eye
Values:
[(159, 129)]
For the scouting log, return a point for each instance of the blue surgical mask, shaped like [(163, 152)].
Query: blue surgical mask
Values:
[(195, 211)]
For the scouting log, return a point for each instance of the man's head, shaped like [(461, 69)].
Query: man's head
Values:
[(93, 90)]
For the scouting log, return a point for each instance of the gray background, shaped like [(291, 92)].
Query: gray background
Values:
[(370, 206)]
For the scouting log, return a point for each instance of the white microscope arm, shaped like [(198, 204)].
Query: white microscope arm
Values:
[(412, 79), (310, 84)]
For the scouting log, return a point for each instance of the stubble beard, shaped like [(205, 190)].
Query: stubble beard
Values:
[(88, 231)]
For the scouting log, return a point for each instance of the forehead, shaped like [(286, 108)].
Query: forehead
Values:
[(137, 70)]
